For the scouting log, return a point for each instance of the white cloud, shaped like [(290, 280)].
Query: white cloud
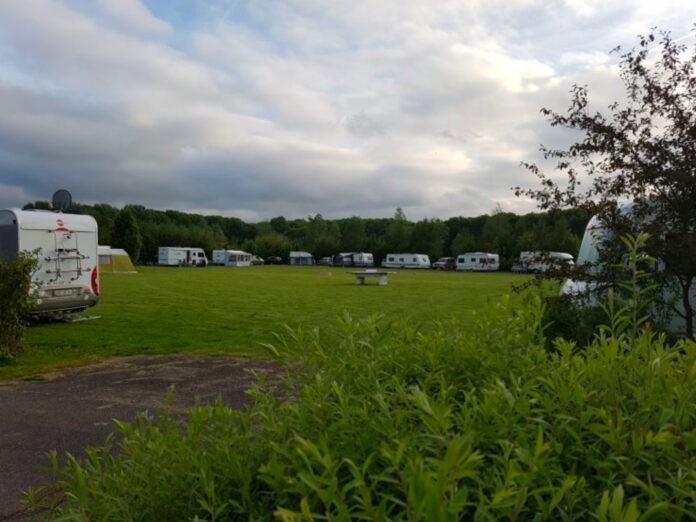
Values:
[(297, 107), (133, 16)]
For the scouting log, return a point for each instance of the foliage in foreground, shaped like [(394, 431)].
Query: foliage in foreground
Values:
[(15, 301), (378, 421)]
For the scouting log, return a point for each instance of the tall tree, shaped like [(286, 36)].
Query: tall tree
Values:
[(428, 237), (642, 150), (126, 233)]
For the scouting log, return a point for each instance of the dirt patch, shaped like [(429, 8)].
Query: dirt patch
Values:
[(75, 408)]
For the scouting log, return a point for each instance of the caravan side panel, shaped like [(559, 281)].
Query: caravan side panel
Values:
[(406, 261)]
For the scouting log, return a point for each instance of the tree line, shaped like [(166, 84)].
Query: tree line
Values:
[(141, 231)]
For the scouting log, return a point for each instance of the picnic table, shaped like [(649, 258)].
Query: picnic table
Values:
[(380, 275)]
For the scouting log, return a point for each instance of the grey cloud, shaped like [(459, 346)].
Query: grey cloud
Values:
[(295, 108)]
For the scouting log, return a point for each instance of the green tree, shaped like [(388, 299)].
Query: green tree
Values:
[(428, 237), (643, 150), (270, 243), (398, 233), (15, 300), (353, 238), (126, 233), (463, 242)]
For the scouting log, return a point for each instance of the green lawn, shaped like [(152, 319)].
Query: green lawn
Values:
[(232, 310)]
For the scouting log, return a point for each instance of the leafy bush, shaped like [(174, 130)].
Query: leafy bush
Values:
[(377, 420), (571, 319), (15, 301)]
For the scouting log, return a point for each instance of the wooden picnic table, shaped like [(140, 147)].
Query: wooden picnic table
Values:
[(381, 276)]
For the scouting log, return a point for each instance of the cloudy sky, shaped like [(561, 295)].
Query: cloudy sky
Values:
[(264, 108)]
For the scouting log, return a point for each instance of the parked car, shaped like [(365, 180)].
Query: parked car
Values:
[(445, 263), (256, 260), (274, 260)]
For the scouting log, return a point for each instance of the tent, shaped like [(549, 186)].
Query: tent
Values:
[(301, 258), (115, 260)]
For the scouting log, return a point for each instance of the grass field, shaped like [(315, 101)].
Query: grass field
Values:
[(232, 310)]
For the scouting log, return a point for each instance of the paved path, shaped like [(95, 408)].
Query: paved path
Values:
[(74, 409)]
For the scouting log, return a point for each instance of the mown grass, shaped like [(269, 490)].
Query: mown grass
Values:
[(226, 310)]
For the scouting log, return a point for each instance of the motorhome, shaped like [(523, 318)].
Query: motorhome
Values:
[(182, 256), (539, 262), (478, 262), (67, 278), (406, 261), (231, 258)]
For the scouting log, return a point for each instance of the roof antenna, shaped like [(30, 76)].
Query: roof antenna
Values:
[(62, 200)]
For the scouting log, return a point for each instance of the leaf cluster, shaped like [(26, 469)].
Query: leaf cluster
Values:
[(15, 301)]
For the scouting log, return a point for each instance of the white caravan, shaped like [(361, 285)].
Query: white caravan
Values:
[(300, 258), (539, 262), (364, 259), (67, 279), (231, 258), (406, 261), (478, 262), (182, 256), (588, 255)]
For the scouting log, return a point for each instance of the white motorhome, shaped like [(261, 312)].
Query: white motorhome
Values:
[(406, 261), (539, 262), (478, 262), (231, 258), (182, 256), (67, 279)]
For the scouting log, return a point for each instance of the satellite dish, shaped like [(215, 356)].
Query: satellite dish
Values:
[(62, 199)]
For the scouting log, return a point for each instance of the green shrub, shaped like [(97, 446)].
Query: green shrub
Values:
[(378, 420), (15, 301), (572, 319)]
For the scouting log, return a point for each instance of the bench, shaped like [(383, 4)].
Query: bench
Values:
[(381, 277)]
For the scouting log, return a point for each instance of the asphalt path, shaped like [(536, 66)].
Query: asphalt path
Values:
[(73, 409)]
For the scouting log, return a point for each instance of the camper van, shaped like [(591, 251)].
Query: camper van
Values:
[(539, 262), (231, 258), (67, 279), (406, 261), (478, 262), (182, 256)]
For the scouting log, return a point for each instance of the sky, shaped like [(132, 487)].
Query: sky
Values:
[(293, 108)]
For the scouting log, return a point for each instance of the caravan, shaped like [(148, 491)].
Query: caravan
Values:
[(363, 259), (300, 258), (589, 260), (182, 256), (478, 262), (539, 262), (406, 261), (67, 279)]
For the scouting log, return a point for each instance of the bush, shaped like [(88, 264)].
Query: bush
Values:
[(15, 301), (572, 319), (378, 420)]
